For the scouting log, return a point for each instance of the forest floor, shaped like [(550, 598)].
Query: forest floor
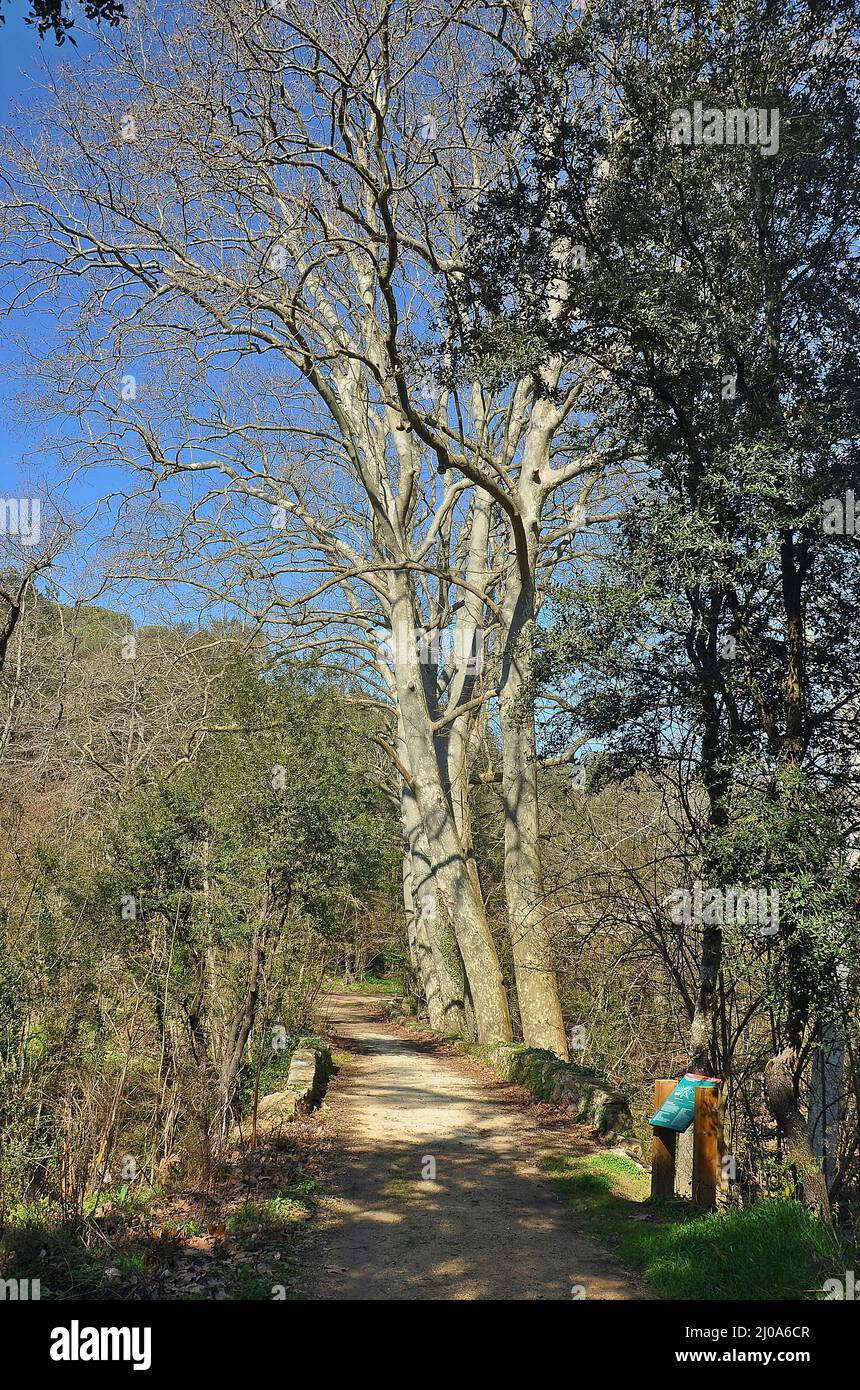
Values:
[(422, 1176), (490, 1224), (337, 1207)]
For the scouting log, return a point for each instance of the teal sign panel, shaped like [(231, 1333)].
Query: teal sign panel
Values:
[(679, 1107)]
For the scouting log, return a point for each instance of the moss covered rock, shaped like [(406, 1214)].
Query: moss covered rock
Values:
[(589, 1097)]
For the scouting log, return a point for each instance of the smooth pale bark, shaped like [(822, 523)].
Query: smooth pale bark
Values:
[(825, 1096), (420, 954), (461, 905), (437, 957), (537, 986), (409, 912), (418, 962), (470, 659)]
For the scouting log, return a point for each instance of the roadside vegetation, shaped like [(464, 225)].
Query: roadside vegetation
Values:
[(772, 1250), (431, 567)]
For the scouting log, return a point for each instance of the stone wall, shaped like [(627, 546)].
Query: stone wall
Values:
[(310, 1069), (589, 1097)]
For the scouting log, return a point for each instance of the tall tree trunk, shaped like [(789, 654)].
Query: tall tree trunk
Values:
[(462, 906), (825, 1096), (537, 986), (704, 1050), (272, 905), (409, 912), (468, 665), (437, 957)]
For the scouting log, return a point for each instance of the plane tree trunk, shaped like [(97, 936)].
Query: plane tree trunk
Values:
[(437, 956), (462, 908), (537, 986)]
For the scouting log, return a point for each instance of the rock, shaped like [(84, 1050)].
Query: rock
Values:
[(310, 1069), (276, 1110), (557, 1091), (590, 1098), (303, 1070)]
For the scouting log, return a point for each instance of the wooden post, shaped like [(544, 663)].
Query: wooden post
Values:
[(708, 1146), (663, 1146)]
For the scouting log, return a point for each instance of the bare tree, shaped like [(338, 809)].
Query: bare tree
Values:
[(265, 211)]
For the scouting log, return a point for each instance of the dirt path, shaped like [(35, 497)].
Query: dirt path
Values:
[(489, 1227)]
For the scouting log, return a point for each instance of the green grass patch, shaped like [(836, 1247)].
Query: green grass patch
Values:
[(306, 1187), (55, 1254), (184, 1228), (125, 1199), (274, 1214), (772, 1250), (74, 1259), (259, 1285)]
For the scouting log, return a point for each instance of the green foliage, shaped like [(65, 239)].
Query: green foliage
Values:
[(708, 643), (374, 984), (772, 1250), (57, 16), (206, 897), (291, 792), (702, 263), (785, 835), (274, 1213)]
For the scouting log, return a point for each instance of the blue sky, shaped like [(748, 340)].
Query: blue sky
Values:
[(23, 60)]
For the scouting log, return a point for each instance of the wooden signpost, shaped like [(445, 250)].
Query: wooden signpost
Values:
[(707, 1145), (663, 1147)]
